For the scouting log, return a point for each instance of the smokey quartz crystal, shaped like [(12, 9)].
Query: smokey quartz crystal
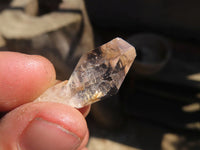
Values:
[(99, 73)]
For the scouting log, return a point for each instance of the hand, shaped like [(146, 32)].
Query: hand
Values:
[(41, 125)]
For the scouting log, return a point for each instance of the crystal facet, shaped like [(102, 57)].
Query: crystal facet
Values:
[(99, 73)]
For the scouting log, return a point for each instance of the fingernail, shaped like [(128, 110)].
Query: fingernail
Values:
[(43, 135)]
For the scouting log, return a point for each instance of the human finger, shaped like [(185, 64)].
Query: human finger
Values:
[(23, 78), (42, 126)]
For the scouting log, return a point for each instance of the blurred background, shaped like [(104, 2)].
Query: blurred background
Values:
[(158, 105)]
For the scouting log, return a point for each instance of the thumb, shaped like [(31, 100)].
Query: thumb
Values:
[(43, 126)]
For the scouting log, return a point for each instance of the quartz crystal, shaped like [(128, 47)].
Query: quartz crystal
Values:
[(99, 73)]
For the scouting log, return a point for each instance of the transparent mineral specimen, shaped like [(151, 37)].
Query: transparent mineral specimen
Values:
[(99, 73)]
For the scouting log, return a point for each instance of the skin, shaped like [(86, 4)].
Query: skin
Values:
[(22, 79)]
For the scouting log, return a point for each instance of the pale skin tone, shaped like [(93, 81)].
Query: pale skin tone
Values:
[(36, 126)]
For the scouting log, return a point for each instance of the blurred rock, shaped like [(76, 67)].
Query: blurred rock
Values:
[(105, 144), (62, 34)]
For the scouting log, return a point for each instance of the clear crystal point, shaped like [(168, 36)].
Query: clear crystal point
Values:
[(99, 73)]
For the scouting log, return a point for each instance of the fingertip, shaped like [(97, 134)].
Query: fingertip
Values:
[(54, 124), (84, 142), (23, 78), (85, 110)]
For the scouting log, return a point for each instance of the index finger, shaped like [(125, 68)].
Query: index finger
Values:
[(23, 78)]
